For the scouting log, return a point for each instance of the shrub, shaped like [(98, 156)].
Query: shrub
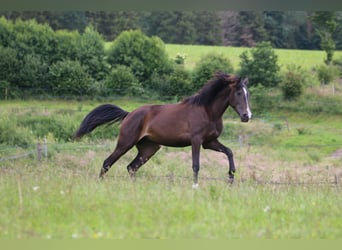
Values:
[(338, 64), (33, 73), (180, 59), (173, 85), (292, 82), (326, 73), (69, 78), (260, 99), (207, 66), (121, 81), (33, 38), (144, 55), (6, 32), (14, 135), (66, 47), (261, 67), (91, 54), (9, 65), (61, 127)]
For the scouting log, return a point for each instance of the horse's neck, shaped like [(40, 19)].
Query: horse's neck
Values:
[(218, 107)]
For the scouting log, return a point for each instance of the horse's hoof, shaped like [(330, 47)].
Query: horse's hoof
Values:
[(195, 186), (231, 180), (102, 173)]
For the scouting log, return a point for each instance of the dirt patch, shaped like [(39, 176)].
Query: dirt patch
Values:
[(261, 167), (337, 153)]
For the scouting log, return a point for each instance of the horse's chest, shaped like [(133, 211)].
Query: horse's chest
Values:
[(214, 131)]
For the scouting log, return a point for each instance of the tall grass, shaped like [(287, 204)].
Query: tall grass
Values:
[(64, 201), (61, 197)]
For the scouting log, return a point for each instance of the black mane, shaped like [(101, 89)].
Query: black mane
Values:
[(208, 92)]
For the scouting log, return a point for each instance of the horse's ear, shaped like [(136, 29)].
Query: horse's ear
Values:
[(245, 81)]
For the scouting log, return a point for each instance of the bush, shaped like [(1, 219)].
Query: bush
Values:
[(207, 66), (144, 55), (9, 64), (69, 78), (121, 81), (33, 38), (260, 99), (173, 85), (6, 32), (292, 83), (262, 67), (33, 73), (91, 53), (338, 64), (66, 47), (326, 73), (14, 135)]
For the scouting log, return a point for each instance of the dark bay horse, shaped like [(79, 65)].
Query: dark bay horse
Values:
[(195, 121)]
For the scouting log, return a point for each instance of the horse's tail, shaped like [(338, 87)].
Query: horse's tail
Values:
[(103, 114)]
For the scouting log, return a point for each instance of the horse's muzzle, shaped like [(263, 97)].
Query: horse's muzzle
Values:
[(244, 117)]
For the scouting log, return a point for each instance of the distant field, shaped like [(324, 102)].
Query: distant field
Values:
[(305, 58)]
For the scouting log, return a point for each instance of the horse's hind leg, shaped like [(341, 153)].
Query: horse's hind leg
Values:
[(118, 152), (146, 149)]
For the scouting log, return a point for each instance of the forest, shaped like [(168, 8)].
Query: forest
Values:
[(284, 29)]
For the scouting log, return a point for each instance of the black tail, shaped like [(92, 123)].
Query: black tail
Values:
[(103, 114)]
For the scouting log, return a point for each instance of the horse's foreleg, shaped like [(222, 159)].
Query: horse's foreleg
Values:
[(195, 162), (217, 146)]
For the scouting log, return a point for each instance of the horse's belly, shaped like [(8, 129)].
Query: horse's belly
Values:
[(169, 140)]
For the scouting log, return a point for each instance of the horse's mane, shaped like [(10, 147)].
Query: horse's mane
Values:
[(208, 92)]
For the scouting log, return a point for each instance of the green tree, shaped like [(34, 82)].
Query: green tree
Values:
[(251, 28), (326, 24), (121, 81), (144, 55), (175, 84), (208, 28), (91, 53), (261, 67), (111, 23), (9, 65), (172, 26), (292, 82), (207, 66), (69, 78)]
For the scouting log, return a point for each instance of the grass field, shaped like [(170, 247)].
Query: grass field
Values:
[(284, 188), (287, 182), (307, 59)]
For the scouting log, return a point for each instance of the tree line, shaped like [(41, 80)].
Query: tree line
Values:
[(36, 60), (283, 29)]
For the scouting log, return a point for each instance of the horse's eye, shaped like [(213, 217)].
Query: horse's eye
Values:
[(238, 93)]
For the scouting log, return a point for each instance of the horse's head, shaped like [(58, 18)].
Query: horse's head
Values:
[(239, 99)]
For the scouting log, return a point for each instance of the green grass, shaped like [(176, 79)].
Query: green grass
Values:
[(307, 59), (47, 201), (61, 197)]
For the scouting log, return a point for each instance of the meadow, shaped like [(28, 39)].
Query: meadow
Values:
[(287, 182), (284, 187), (307, 59)]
